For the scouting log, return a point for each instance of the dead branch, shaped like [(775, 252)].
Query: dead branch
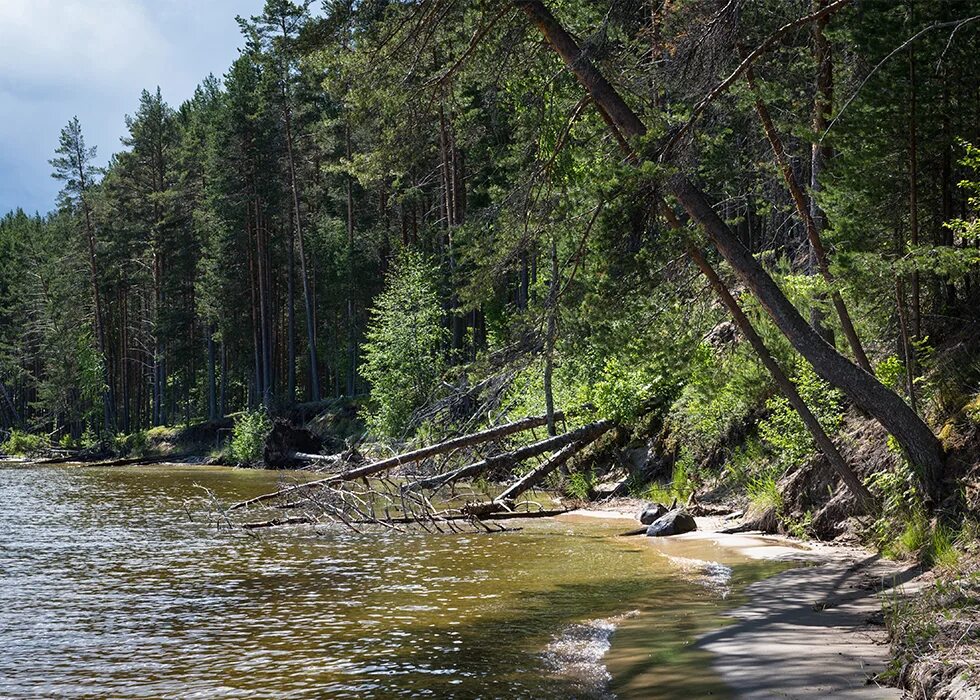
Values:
[(586, 432), (408, 457), (746, 63), (536, 476)]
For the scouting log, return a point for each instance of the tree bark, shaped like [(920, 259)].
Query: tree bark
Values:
[(813, 235), (785, 384), (820, 153), (550, 339), (297, 223), (915, 312), (860, 387), (586, 432), (536, 476), (212, 383), (291, 322)]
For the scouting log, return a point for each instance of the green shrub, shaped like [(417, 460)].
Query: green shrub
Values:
[(764, 493), (67, 442), (131, 444), (891, 373), (248, 436), (784, 430), (403, 353), (580, 485), (21, 443), (720, 396), (745, 462), (682, 483)]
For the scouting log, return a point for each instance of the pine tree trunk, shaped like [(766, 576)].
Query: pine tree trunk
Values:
[(212, 383), (550, 338), (297, 222), (351, 340), (813, 235), (858, 385), (915, 312), (291, 323)]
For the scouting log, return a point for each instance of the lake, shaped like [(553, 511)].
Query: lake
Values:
[(116, 582)]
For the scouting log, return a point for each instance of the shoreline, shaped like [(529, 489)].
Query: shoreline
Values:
[(813, 631)]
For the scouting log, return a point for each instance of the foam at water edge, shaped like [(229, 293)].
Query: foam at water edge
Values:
[(710, 574), (576, 654)]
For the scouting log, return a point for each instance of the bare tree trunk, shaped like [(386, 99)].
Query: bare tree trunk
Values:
[(586, 433), (550, 339), (298, 224), (785, 384), (265, 321), (223, 403), (537, 475), (212, 380), (351, 340), (861, 387), (108, 395), (804, 211), (908, 351), (915, 322), (291, 322), (820, 153), (410, 457)]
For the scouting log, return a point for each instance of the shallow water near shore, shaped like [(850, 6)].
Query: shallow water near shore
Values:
[(116, 583)]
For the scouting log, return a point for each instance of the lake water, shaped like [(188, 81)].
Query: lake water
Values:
[(114, 582)]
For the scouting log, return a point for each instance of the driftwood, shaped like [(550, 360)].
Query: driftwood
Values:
[(586, 433), (101, 461), (536, 476), (407, 458), (278, 522), (508, 515)]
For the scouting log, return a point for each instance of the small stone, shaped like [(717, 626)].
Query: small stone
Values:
[(651, 512)]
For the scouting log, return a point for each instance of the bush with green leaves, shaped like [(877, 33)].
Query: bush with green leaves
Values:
[(248, 436), (783, 430), (23, 443), (580, 485), (131, 444), (721, 394), (403, 357)]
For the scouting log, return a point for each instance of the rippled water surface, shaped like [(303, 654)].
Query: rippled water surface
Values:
[(113, 584)]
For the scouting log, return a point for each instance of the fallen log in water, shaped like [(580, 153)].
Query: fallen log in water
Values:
[(587, 433), (536, 476), (279, 522), (125, 461), (409, 457), (454, 517)]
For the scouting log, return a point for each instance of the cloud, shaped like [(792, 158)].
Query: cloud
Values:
[(76, 45), (91, 58)]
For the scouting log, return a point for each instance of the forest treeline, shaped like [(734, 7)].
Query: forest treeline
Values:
[(474, 208)]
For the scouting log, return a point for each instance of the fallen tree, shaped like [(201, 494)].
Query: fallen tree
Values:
[(587, 433), (409, 457)]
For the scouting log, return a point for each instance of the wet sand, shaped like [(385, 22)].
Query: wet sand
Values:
[(814, 631)]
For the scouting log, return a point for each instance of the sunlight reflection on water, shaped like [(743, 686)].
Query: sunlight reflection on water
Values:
[(109, 590)]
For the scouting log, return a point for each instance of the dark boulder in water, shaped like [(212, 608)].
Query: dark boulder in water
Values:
[(676, 522)]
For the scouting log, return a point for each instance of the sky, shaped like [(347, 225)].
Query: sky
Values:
[(92, 58)]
